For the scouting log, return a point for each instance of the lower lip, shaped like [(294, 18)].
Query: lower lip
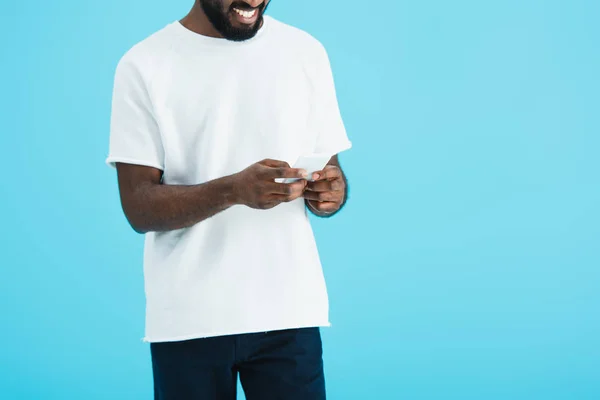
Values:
[(243, 20)]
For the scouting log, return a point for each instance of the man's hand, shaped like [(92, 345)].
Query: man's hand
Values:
[(255, 186), (152, 206), (327, 192)]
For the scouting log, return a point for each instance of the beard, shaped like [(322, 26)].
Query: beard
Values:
[(222, 20)]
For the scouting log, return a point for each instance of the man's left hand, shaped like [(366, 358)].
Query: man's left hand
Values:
[(327, 192)]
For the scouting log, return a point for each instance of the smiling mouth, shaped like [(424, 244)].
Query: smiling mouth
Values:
[(245, 15)]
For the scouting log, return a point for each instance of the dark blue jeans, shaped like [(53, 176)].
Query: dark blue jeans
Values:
[(279, 365)]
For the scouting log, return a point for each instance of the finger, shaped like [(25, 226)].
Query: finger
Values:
[(326, 186), (324, 196), (285, 172), (274, 163), (270, 204), (281, 198), (287, 189), (330, 172), (291, 192), (326, 206)]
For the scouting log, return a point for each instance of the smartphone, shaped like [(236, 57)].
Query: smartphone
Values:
[(311, 163)]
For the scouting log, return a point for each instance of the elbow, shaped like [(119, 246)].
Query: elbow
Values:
[(138, 227), (136, 222), (136, 204)]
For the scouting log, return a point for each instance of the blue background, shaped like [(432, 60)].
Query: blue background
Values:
[(465, 266)]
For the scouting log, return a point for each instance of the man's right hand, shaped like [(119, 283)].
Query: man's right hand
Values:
[(255, 186)]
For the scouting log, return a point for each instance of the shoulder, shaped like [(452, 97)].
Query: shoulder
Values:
[(292, 36), (145, 56)]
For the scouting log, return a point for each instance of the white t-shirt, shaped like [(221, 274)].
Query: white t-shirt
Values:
[(201, 108)]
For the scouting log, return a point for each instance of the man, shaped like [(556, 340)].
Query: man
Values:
[(208, 113)]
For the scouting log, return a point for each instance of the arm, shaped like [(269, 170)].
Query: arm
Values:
[(327, 195), (150, 205)]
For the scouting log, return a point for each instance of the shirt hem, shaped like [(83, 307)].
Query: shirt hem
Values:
[(112, 161), (150, 339)]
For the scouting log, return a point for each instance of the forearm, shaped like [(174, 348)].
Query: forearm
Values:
[(157, 207)]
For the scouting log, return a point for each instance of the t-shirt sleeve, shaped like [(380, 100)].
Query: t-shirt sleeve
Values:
[(332, 137), (134, 134)]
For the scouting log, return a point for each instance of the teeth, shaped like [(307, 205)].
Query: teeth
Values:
[(245, 14)]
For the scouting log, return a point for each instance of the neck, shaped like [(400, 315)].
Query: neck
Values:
[(197, 21)]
